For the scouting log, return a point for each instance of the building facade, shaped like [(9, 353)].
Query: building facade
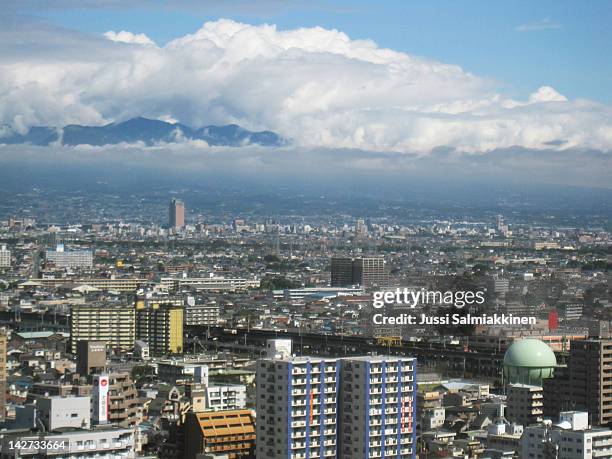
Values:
[(525, 404), (5, 257), (113, 324), (62, 258), (228, 434), (176, 214), (160, 326), (336, 408), (367, 272)]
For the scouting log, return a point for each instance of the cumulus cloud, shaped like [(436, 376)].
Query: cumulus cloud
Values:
[(315, 86), (129, 37)]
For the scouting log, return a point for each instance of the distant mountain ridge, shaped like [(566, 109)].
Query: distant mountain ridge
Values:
[(143, 130)]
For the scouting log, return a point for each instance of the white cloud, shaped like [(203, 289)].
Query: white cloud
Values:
[(129, 37), (543, 24), (315, 86)]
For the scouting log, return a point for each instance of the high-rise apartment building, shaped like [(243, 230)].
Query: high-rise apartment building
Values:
[(351, 408), (586, 384), (364, 271), (377, 408), (297, 407), (113, 324), (62, 258), (160, 326), (525, 404), (176, 215), (2, 376), (5, 257)]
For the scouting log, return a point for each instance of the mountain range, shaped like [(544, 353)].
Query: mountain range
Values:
[(143, 130)]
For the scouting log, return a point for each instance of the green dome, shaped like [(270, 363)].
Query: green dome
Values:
[(529, 361)]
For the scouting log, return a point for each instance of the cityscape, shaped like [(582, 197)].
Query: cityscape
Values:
[(305, 230)]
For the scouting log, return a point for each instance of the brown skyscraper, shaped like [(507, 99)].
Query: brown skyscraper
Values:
[(176, 217)]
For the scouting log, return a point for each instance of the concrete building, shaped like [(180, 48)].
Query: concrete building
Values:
[(525, 404), (3, 376), (226, 397), (367, 272), (113, 324), (91, 357), (124, 405), (176, 214), (198, 313), (5, 257), (217, 284), (585, 385), (142, 350), (101, 442), (571, 438), (59, 412), (160, 326), (230, 433), (180, 371), (62, 258), (346, 408), (297, 407), (342, 272), (377, 408)]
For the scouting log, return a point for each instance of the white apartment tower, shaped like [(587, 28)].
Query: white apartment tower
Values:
[(377, 408), (352, 408)]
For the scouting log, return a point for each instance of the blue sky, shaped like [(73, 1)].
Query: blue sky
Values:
[(521, 44)]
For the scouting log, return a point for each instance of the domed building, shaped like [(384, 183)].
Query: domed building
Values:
[(529, 361)]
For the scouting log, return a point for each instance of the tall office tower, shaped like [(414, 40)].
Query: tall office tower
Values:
[(112, 324), (377, 408), (525, 404), (5, 257), (585, 384), (370, 272), (341, 271), (297, 407), (160, 326), (349, 408), (2, 376), (176, 217), (70, 258)]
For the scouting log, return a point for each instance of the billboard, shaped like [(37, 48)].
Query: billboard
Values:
[(100, 398)]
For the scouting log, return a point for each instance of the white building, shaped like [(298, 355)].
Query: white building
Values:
[(59, 412), (70, 259), (571, 438), (5, 257), (377, 408), (297, 407), (226, 397), (101, 442), (352, 408)]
